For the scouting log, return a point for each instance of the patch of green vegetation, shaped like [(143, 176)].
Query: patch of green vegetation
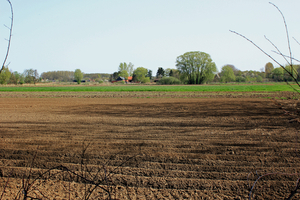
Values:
[(152, 88), (268, 97)]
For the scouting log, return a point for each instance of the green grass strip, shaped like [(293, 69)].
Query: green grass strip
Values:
[(154, 88)]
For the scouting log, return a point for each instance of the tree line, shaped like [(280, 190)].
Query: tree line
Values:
[(191, 68), (28, 76), (198, 68)]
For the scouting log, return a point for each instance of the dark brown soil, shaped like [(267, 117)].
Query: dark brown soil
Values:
[(149, 148)]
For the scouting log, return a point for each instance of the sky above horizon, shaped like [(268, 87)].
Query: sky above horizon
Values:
[(97, 35)]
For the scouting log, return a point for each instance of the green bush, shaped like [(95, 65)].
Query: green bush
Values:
[(145, 80), (119, 83), (259, 79), (169, 81), (240, 79)]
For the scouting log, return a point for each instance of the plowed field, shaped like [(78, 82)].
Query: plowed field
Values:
[(147, 148)]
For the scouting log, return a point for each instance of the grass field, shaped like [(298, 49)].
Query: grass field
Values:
[(275, 87)]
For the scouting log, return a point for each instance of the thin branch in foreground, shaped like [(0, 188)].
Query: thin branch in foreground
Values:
[(269, 174), (10, 35), (290, 74), (286, 30), (286, 56), (256, 46), (296, 41), (278, 51)]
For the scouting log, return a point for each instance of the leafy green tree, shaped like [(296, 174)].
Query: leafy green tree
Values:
[(149, 74), (130, 67), (15, 78), (268, 69), (174, 73), (227, 74), (31, 76), (240, 79), (160, 72), (146, 80), (36, 76), (236, 71), (167, 71), (170, 72), (78, 75), (277, 74), (197, 67), (126, 69), (293, 72), (5, 75), (114, 76), (140, 74), (259, 78), (124, 74), (123, 70)]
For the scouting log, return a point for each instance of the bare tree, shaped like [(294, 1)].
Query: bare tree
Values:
[(10, 35)]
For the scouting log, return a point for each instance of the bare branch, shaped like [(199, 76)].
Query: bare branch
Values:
[(10, 35), (286, 30), (257, 47), (278, 51), (294, 78), (285, 56), (296, 40), (6, 26)]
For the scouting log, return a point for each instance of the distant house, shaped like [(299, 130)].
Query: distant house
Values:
[(120, 78), (129, 79)]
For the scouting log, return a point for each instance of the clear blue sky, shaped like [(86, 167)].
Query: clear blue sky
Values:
[(96, 35)]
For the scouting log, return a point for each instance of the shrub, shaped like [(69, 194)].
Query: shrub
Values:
[(145, 80), (240, 79), (169, 81), (259, 79)]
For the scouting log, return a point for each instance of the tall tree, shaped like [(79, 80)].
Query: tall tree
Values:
[(5, 75), (278, 74), (130, 69), (15, 78), (268, 69), (167, 71), (124, 74), (114, 76), (196, 66), (160, 72), (227, 74), (126, 69), (140, 75), (78, 75), (236, 71), (31, 76), (149, 74)]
